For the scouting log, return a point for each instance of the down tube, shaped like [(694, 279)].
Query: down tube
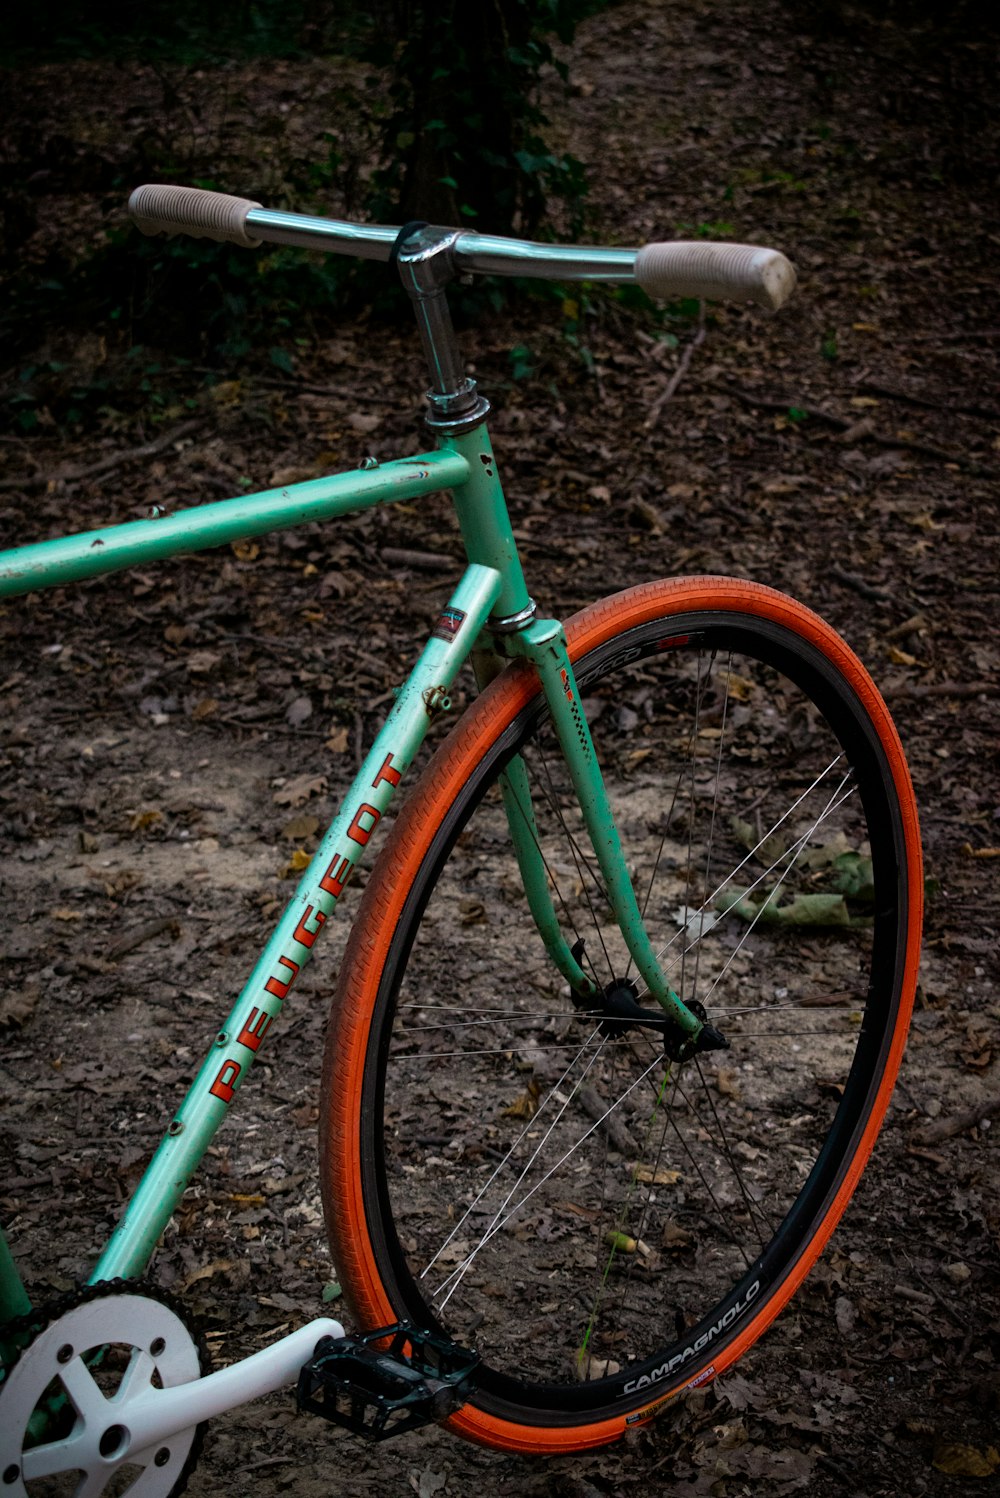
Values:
[(290, 947)]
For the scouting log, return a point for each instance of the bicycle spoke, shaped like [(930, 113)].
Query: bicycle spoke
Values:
[(797, 848), (751, 1206), (510, 1154), (502, 1218)]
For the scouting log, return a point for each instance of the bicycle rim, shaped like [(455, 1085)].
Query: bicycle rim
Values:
[(607, 1226)]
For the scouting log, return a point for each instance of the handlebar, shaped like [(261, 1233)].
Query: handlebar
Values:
[(680, 268)]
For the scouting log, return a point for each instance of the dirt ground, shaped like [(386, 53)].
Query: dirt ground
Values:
[(174, 738)]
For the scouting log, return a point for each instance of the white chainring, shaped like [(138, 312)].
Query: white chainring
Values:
[(158, 1351)]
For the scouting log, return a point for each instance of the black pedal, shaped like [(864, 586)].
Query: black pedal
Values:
[(387, 1381)]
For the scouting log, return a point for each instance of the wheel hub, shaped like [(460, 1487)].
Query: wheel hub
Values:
[(618, 1010)]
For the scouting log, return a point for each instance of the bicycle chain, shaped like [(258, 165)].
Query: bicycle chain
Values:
[(40, 1317)]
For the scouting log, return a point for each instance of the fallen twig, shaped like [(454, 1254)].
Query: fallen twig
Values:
[(957, 1123), (819, 413), (910, 398), (105, 465), (970, 335), (770, 403), (942, 689), (421, 561), (611, 1125), (671, 386), (932, 1290), (129, 940), (852, 580)]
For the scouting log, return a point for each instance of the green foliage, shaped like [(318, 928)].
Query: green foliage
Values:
[(522, 362), (195, 301), (51, 393), (464, 142), (463, 106), (565, 319), (713, 229), (195, 297)]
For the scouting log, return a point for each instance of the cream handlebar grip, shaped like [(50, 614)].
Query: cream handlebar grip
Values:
[(159, 209), (692, 267)]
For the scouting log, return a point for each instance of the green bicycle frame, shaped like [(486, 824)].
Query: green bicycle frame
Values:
[(492, 589)]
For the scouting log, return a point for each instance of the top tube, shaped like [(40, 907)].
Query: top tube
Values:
[(489, 253)]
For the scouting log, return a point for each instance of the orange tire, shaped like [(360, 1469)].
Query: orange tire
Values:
[(753, 688)]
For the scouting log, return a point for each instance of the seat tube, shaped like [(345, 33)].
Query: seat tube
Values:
[(457, 417)]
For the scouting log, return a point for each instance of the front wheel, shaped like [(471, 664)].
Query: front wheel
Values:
[(606, 1225)]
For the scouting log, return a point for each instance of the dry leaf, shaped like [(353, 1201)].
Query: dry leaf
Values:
[(299, 711), (141, 820), (526, 1106), (300, 827), (589, 1213), (227, 393), (646, 515), (647, 1176), (739, 687), (299, 861), (18, 1004), (201, 662), (845, 1315), (292, 473), (206, 1272), (956, 1460), (428, 1483), (726, 1082), (336, 583), (364, 421), (295, 792)]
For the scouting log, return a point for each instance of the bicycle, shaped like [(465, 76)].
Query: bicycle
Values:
[(660, 1130)]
